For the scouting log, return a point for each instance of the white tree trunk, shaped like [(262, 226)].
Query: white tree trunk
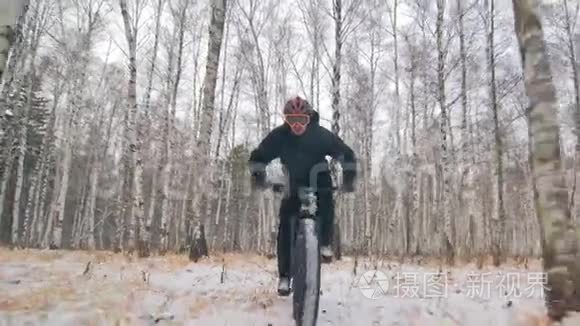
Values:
[(57, 211), (216, 32), (498, 223), (10, 12), (559, 234), (447, 234), (133, 132)]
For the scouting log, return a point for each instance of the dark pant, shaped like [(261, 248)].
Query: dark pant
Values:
[(289, 207)]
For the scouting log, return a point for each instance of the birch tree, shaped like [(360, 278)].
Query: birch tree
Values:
[(393, 15), (216, 32), (145, 230), (11, 11), (133, 135), (499, 221), (92, 148), (337, 16), (569, 25), (251, 30), (466, 191), (38, 25), (447, 233), (559, 234), (57, 233), (179, 14), (344, 15)]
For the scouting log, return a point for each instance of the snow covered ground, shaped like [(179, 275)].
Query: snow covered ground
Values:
[(80, 288)]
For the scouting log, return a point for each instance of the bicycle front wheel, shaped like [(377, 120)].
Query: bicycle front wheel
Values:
[(306, 280)]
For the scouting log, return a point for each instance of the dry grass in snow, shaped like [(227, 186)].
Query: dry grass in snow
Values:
[(101, 288)]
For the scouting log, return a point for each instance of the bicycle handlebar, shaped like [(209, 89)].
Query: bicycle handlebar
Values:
[(279, 187)]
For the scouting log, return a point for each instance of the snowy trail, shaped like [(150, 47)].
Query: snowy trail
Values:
[(52, 288)]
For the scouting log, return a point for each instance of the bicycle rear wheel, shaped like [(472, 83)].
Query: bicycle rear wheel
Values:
[(306, 273)]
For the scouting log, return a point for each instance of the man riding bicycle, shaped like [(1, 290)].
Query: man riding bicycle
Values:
[(302, 146)]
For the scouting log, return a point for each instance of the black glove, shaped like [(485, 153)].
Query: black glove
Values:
[(348, 182), (348, 187), (258, 175), (278, 188), (258, 180)]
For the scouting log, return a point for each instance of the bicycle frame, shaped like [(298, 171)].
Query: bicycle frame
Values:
[(305, 249), (308, 202), (305, 259), (308, 207)]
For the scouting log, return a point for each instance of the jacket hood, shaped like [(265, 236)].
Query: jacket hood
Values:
[(315, 118)]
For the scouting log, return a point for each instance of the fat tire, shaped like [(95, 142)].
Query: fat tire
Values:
[(306, 273)]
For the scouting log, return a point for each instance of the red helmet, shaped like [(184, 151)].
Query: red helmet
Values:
[(297, 112)]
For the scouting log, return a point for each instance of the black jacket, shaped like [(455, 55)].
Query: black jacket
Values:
[(304, 156)]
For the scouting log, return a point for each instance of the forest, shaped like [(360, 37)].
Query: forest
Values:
[(126, 125)]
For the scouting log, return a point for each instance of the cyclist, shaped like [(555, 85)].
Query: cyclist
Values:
[(302, 146)]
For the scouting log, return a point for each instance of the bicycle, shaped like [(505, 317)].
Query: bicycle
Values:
[(305, 258)]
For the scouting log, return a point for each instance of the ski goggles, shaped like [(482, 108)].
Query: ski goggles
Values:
[(299, 120)]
